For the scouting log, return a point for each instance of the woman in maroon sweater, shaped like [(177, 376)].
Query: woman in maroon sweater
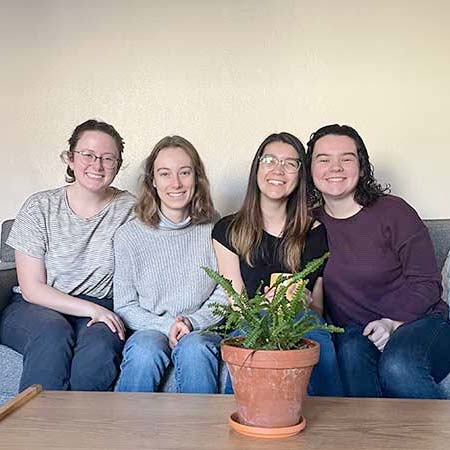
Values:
[(381, 283)]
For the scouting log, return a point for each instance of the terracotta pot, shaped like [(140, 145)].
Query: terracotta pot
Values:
[(270, 386)]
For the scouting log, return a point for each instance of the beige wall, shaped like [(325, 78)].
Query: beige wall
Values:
[(224, 75)]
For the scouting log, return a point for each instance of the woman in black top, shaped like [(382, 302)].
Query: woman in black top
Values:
[(273, 232)]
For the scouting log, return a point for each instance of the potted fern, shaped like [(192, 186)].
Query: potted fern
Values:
[(271, 363)]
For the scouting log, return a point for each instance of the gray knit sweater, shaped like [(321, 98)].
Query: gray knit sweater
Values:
[(158, 276)]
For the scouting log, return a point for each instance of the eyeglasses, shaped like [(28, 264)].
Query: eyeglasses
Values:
[(108, 161), (291, 165)]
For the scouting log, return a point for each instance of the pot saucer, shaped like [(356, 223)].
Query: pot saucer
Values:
[(262, 432)]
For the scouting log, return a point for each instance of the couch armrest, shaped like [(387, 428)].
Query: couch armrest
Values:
[(8, 279), (440, 236)]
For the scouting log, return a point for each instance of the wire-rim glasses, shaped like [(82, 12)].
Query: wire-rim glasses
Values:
[(291, 165)]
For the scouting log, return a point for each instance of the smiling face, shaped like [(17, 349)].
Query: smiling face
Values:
[(93, 177), (174, 180), (274, 182), (335, 167)]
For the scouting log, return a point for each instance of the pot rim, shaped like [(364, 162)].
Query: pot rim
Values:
[(271, 359), (226, 343)]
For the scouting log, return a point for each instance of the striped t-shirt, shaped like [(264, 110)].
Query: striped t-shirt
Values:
[(77, 252)]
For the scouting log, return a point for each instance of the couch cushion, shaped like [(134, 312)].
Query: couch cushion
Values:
[(446, 280), (440, 235), (6, 252), (10, 373)]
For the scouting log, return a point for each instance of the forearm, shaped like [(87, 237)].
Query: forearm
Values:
[(424, 293), (228, 266), (317, 297), (137, 318), (317, 308), (421, 291), (32, 277), (204, 317), (44, 295), (416, 298)]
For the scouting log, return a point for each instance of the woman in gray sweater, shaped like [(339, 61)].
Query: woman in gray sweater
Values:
[(160, 289)]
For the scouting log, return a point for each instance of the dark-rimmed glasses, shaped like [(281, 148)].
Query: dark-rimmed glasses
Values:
[(88, 158)]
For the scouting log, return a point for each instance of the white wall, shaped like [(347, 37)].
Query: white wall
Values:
[(225, 75)]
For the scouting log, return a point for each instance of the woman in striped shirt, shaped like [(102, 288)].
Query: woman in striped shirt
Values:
[(61, 317)]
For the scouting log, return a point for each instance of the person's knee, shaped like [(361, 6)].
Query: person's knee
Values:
[(323, 337), (352, 344), (48, 355), (356, 354), (394, 369), (196, 343), (56, 334), (105, 347), (144, 347)]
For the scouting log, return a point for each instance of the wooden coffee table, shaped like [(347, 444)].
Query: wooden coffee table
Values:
[(87, 420)]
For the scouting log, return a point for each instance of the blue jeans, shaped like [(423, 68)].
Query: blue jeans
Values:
[(414, 362), (147, 355), (325, 377), (59, 351)]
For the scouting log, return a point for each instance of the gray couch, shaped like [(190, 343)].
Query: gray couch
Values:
[(11, 362)]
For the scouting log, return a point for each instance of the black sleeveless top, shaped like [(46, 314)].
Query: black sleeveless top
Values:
[(266, 259)]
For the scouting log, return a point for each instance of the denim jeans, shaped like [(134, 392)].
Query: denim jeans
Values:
[(59, 351), (147, 355), (414, 362), (325, 377)]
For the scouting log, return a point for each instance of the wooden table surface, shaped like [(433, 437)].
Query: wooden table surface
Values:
[(86, 420)]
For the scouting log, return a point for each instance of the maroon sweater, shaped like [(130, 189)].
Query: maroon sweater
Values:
[(382, 264)]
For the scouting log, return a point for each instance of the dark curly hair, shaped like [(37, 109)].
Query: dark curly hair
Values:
[(368, 190)]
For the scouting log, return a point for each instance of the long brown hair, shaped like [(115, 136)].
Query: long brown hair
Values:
[(201, 209), (246, 230)]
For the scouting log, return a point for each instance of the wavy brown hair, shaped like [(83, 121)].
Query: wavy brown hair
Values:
[(201, 208), (246, 230)]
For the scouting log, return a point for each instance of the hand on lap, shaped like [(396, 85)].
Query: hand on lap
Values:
[(109, 318), (181, 327), (380, 331)]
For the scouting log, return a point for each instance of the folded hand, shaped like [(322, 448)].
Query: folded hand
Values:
[(181, 327), (380, 331)]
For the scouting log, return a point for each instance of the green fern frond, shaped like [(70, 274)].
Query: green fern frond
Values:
[(226, 284), (279, 324)]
